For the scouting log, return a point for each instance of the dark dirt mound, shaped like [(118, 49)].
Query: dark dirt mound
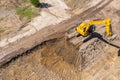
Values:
[(60, 57)]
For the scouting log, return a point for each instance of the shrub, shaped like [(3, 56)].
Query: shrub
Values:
[(36, 3), (27, 12)]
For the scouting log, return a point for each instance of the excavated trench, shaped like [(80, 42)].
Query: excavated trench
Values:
[(56, 55)]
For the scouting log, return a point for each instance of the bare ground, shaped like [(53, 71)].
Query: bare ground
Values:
[(57, 59)]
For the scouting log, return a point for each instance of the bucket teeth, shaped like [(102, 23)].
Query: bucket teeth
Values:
[(112, 37)]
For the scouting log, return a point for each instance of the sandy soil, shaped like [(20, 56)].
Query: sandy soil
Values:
[(58, 59)]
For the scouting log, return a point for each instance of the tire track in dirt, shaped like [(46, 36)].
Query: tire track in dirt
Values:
[(91, 9), (97, 9)]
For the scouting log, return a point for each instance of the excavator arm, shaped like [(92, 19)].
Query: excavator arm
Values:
[(86, 29)]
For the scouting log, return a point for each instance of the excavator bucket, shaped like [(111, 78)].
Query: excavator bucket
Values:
[(112, 37)]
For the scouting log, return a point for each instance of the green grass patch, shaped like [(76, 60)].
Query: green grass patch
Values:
[(1, 30), (27, 12)]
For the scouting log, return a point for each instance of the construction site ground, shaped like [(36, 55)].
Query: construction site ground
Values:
[(49, 54)]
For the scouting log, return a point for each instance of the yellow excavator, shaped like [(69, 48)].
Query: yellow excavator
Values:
[(85, 29)]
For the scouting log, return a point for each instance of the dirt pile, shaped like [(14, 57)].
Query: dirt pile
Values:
[(91, 52), (106, 66)]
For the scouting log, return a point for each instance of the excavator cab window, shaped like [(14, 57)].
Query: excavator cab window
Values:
[(84, 29), (91, 29)]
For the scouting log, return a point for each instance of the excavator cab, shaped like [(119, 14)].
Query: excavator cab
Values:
[(91, 29), (85, 31)]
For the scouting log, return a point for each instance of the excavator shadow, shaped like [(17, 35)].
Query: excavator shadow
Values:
[(119, 52), (45, 5), (99, 36)]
